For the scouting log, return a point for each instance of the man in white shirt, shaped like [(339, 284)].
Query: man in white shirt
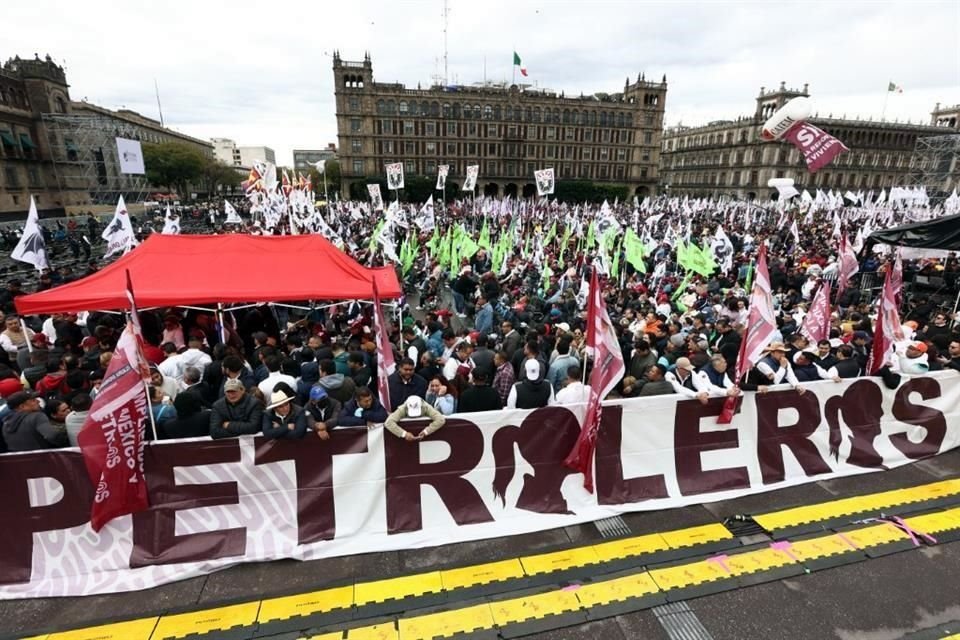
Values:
[(172, 365), (194, 356), (272, 363), (573, 391), (686, 382)]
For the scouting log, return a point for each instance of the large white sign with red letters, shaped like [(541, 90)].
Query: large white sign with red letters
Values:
[(219, 503)]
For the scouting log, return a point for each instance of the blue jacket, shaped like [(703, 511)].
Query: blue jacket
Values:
[(484, 320)]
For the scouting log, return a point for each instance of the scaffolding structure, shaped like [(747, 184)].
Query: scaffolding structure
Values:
[(935, 164), (84, 152)]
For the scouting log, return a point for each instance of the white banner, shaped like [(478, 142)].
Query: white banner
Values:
[(131, 156), (442, 171), (215, 503), (395, 175), (470, 183), (545, 181)]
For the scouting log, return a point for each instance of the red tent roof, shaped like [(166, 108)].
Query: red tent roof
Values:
[(170, 270)]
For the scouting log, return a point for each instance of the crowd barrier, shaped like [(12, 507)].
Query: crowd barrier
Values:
[(220, 503)]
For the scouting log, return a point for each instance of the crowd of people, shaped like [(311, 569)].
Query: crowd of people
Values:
[(484, 331)]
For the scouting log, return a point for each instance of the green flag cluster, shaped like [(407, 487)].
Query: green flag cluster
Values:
[(635, 251), (693, 258)]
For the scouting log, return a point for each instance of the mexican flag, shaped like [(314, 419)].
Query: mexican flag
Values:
[(890, 86), (518, 63)]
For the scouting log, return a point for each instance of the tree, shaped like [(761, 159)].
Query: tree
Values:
[(332, 169), (173, 165), (217, 174)]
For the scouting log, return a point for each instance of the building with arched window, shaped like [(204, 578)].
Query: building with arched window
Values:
[(727, 157), (510, 131)]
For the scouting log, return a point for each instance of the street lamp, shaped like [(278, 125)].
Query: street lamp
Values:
[(321, 166)]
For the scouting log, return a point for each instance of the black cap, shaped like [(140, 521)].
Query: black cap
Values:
[(14, 400)]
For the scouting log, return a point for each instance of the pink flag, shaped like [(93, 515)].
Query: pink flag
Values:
[(113, 436), (888, 322), (608, 369), (761, 326), (385, 363), (817, 146), (896, 277), (848, 264), (816, 324)]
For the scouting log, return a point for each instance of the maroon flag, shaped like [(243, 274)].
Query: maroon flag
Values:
[(848, 264), (608, 369), (761, 325), (817, 146), (113, 436), (385, 363), (816, 324), (888, 323)]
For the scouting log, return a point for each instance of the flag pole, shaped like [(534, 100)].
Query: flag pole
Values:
[(886, 98)]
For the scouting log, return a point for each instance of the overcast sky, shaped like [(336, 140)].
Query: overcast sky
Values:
[(260, 73)]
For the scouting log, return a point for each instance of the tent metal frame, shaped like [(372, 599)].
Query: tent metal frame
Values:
[(934, 165)]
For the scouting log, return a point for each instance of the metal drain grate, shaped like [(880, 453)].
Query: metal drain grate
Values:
[(743, 526), (614, 527), (680, 622)]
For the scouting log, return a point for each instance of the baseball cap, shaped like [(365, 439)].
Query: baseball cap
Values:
[(532, 369), (18, 398), (920, 346), (414, 407), (233, 384), (684, 363), (317, 393)]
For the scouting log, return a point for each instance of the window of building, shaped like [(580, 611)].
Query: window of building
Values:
[(472, 129), (356, 146), (588, 135), (355, 125), (410, 167), (409, 148), (358, 167), (354, 104), (605, 135), (587, 154), (451, 148), (487, 112), (430, 148), (491, 148), (551, 133), (491, 131), (621, 154), (647, 137), (408, 127), (645, 157), (472, 148), (451, 128), (604, 153), (620, 172), (431, 166), (492, 167), (387, 146), (431, 129)]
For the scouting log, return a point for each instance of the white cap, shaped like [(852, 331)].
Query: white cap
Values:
[(414, 407), (532, 369)]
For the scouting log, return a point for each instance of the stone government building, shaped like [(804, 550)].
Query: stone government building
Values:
[(728, 158), (64, 152), (509, 132)]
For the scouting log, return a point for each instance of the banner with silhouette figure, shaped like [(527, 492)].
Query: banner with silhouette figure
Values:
[(215, 503)]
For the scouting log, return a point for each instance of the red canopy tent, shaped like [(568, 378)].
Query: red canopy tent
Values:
[(174, 270)]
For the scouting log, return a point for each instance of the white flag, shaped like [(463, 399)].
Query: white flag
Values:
[(376, 200), (471, 181), (320, 165), (32, 249), (119, 233), (442, 172), (232, 216), (171, 225), (796, 234), (395, 175), (545, 182), (426, 220)]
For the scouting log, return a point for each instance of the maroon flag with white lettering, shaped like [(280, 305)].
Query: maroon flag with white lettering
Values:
[(848, 264), (385, 362), (608, 369), (761, 326), (817, 146), (884, 333), (113, 436), (816, 324)]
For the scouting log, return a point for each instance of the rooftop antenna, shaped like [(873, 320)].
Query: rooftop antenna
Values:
[(159, 108), (446, 16)]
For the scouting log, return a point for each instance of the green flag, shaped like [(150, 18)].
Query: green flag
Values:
[(693, 258), (635, 251)]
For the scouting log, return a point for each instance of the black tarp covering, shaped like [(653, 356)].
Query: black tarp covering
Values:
[(941, 233)]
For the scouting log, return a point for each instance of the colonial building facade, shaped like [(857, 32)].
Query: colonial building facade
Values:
[(63, 152), (729, 158), (507, 131)]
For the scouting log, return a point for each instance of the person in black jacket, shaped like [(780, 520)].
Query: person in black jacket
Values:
[(323, 412), (363, 411), (283, 419), (237, 413), (28, 428), (192, 419), (479, 396)]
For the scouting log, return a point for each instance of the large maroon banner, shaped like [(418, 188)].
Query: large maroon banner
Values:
[(215, 503), (817, 146)]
